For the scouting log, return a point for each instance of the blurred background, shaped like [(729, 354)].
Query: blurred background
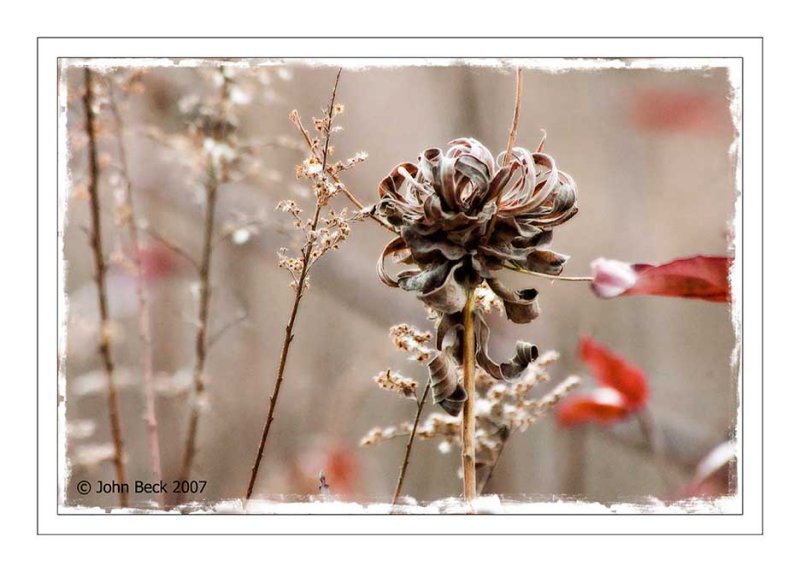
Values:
[(649, 151)]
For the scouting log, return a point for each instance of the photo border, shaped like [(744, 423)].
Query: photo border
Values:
[(741, 435)]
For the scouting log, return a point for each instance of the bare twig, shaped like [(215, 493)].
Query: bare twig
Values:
[(410, 443), (505, 436), (512, 133), (145, 335), (468, 419), (512, 138), (100, 279), (653, 440), (299, 290), (217, 175), (219, 334)]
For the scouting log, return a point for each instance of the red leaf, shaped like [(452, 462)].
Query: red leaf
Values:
[(680, 111), (611, 370), (700, 277), (600, 406), (158, 261)]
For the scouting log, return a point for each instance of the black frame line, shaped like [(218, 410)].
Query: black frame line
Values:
[(457, 58)]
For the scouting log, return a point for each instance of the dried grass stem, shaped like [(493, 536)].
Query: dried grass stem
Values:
[(468, 414), (96, 243), (145, 333), (299, 290), (404, 467)]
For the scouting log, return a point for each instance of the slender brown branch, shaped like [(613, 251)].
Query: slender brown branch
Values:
[(219, 334), (409, 444), (504, 439), (512, 133), (468, 419), (145, 334), (299, 290), (217, 175), (96, 242), (512, 139)]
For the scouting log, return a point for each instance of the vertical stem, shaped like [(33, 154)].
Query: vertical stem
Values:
[(200, 346), (506, 435), (288, 335), (217, 175), (512, 132), (654, 443), (96, 242), (145, 333), (409, 444), (512, 139), (468, 415)]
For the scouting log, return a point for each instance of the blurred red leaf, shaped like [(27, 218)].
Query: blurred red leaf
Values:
[(603, 406), (337, 462), (700, 277), (714, 472), (680, 111), (622, 388), (158, 261), (612, 370)]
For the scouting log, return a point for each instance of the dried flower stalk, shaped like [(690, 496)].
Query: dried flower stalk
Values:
[(410, 443), (217, 130), (96, 242), (462, 215), (129, 222), (299, 268), (468, 414)]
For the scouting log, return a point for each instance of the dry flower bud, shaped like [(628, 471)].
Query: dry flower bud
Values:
[(397, 383)]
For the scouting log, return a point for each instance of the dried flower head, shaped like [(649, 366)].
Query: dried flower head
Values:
[(397, 383), (461, 216)]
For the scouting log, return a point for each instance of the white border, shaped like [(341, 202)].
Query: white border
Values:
[(751, 475)]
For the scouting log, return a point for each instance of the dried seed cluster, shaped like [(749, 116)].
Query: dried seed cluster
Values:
[(501, 409)]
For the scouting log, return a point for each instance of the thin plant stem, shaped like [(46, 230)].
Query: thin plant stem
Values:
[(493, 466), (468, 414), (512, 138), (299, 290), (549, 276), (409, 444), (145, 333), (652, 438), (512, 132), (96, 242), (217, 175)]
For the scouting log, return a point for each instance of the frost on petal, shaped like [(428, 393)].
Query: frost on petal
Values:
[(611, 278)]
